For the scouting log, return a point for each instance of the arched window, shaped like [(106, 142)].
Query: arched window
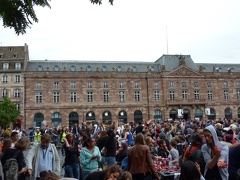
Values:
[(228, 113), (73, 118), (157, 115), (56, 119), (122, 116), (138, 116), (38, 118)]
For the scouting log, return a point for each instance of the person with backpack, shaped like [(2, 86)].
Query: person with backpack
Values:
[(194, 153), (13, 162)]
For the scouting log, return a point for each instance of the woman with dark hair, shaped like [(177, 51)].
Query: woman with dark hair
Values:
[(90, 157), (140, 163), (190, 170), (71, 164), (21, 145), (102, 137), (121, 153), (113, 172)]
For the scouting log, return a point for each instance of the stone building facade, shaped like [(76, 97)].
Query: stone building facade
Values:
[(13, 61), (172, 87)]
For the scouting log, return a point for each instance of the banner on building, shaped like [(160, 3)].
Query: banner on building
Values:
[(180, 112), (207, 111)]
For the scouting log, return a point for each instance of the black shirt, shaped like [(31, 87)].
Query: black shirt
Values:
[(72, 155), (110, 145), (97, 175), (139, 129)]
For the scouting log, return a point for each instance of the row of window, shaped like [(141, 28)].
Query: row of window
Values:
[(137, 96), (5, 79), (73, 96), (16, 93), (197, 95), (196, 84), (6, 66), (89, 68), (73, 85)]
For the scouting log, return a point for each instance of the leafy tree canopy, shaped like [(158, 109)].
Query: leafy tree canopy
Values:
[(20, 15), (8, 112)]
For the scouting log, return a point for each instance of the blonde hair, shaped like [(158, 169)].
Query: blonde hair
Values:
[(22, 144), (148, 140)]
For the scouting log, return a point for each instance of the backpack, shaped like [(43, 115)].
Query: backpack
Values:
[(10, 168), (197, 156)]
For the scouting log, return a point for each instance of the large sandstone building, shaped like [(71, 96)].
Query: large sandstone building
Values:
[(65, 92)]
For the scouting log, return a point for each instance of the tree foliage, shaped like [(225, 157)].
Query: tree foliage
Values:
[(20, 14), (8, 112)]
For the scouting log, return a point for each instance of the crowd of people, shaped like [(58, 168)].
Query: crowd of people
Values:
[(204, 149)]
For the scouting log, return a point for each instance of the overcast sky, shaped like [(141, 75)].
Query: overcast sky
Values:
[(133, 30)]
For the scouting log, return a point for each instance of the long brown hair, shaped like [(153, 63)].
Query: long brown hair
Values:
[(112, 169), (139, 140)]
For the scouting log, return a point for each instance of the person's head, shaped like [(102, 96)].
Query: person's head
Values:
[(70, 138), (189, 171), (45, 140), (196, 139), (162, 143), (113, 172), (173, 143), (139, 139), (90, 142), (209, 137), (149, 141), (22, 144), (126, 176), (14, 136), (6, 144), (47, 175), (123, 147)]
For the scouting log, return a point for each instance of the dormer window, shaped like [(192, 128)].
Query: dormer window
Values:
[(134, 69), (5, 65), (18, 66), (56, 68), (89, 68), (218, 69), (72, 68), (14, 56), (119, 68), (104, 68), (39, 68), (151, 69), (10, 49), (1, 55)]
